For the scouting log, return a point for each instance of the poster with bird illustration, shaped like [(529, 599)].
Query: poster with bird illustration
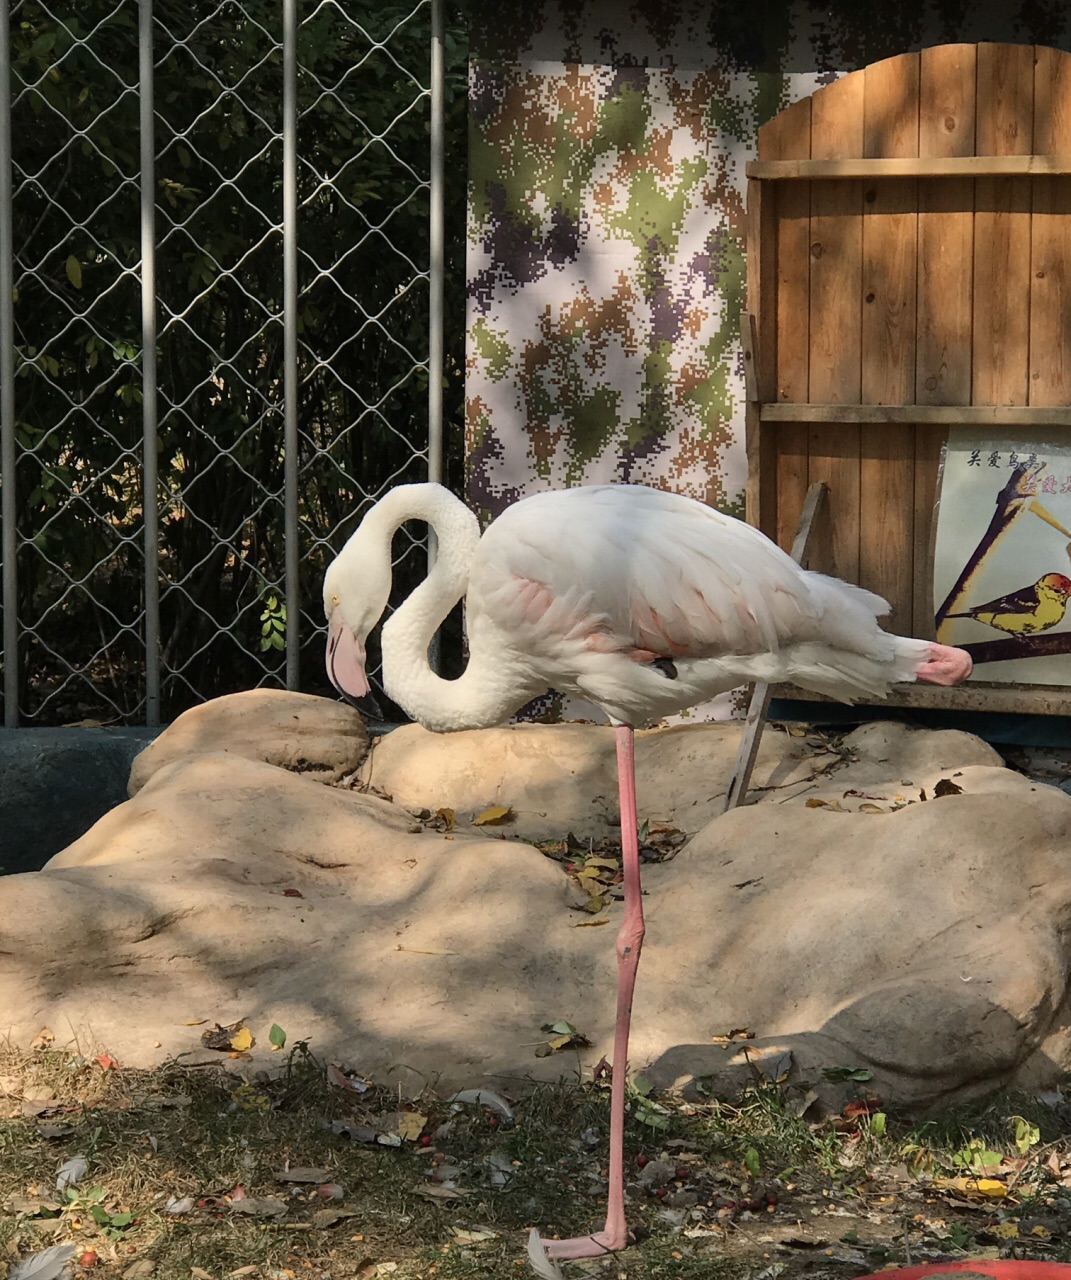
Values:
[(1002, 558)]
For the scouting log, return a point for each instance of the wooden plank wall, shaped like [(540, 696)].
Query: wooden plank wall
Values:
[(929, 291)]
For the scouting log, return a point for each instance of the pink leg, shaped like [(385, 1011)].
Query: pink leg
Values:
[(945, 665), (629, 941)]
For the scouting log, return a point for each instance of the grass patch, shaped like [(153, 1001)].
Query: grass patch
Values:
[(192, 1172)]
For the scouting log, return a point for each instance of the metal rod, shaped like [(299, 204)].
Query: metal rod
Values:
[(149, 474), (291, 586), (8, 541), (435, 283), (436, 263)]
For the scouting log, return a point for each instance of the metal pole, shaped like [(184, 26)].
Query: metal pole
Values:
[(435, 286), (435, 243), (8, 543), (149, 486), (291, 588)]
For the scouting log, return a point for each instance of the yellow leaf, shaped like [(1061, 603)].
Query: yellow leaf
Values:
[(1006, 1230), (986, 1188), (410, 1125), (495, 813), (591, 924), (871, 808), (446, 816), (1042, 1232), (242, 1040), (74, 271), (560, 1042)]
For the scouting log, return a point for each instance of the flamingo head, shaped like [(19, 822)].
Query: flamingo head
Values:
[(351, 614)]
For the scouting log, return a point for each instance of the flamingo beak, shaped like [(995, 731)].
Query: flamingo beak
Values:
[(346, 667)]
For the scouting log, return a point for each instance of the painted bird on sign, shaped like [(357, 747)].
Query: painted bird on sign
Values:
[(1022, 613)]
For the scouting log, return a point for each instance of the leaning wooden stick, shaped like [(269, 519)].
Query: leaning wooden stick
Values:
[(815, 509)]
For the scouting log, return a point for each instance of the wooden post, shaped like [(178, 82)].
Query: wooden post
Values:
[(815, 509)]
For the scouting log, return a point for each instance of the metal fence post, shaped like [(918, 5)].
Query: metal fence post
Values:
[(149, 462), (291, 386), (435, 244), (7, 387)]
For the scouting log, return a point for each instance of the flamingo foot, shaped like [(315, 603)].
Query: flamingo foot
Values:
[(945, 665), (542, 1253)]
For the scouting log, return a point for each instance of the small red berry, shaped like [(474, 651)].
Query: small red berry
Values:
[(660, 1193), (641, 1161), (683, 1172), (87, 1258), (424, 1140)]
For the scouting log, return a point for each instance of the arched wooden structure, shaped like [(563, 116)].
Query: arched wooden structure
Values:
[(909, 268)]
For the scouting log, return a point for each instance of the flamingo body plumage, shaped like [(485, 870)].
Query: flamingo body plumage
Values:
[(585, 590), (641, 601)]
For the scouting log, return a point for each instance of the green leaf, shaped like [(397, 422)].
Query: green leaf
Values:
[(751, 1162), (839, 1075), (877, 1124), (642, 1085), (276, 1036), (74, 271), (1027, 1135)]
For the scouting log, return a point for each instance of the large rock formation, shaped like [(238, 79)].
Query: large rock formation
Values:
[(899, 903)]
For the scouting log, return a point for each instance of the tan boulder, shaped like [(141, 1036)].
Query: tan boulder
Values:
[(561, 778), (296, 731), (923, 940)]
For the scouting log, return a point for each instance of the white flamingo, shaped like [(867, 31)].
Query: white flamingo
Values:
[(644, 602)]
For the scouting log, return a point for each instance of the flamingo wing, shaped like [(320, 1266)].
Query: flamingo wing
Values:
[(630, 569)]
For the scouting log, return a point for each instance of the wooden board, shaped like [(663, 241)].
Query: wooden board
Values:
[(947, 88), (934, 272), (789, 135), (986, 416), (1010, 166), (1005, 103), (836, 253), (1050, 228), (890, 236)]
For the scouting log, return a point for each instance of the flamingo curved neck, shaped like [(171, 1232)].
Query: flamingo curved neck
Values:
[(482, 695)]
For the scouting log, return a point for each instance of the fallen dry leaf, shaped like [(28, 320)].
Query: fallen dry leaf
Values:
[(493, 815), (236, 1037), (351, 1081), (43, 1040), (946, 787), (438, 1191), (410, 1125), (330, 1217), (977, 1188)]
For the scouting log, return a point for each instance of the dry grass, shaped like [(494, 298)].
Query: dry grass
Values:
[(827, 1199)]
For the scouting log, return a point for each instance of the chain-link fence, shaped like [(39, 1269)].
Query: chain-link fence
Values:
[(218, 279)]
